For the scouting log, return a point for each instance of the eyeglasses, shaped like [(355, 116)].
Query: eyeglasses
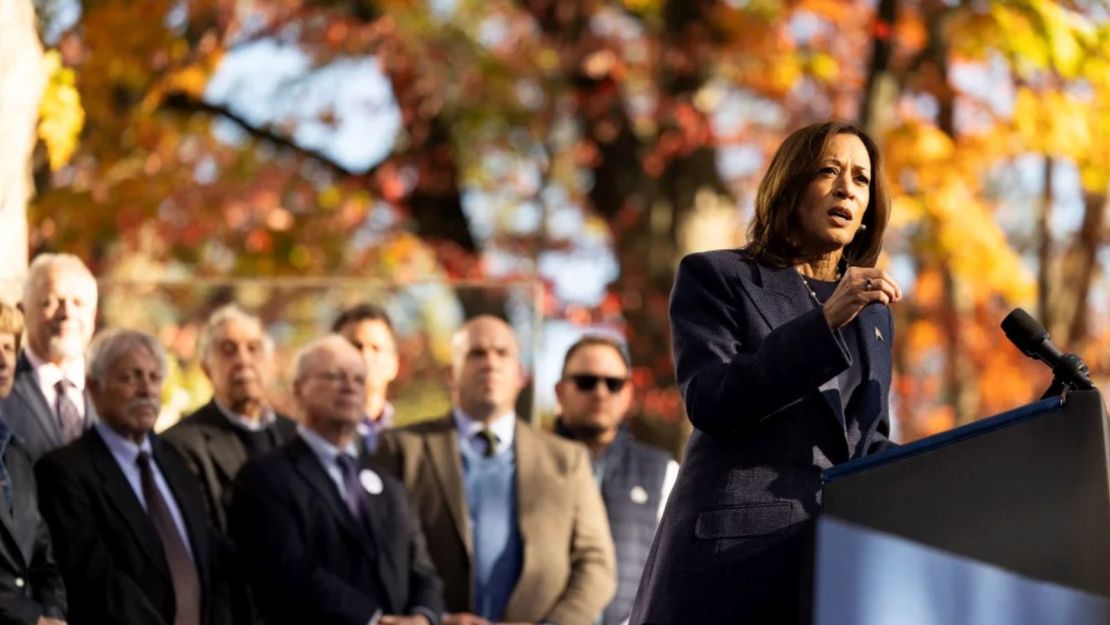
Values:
[(587, 383), (333, 377)]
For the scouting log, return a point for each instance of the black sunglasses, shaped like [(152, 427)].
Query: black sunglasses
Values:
[(586, 383)]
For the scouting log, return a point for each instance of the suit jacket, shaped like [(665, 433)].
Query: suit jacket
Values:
[(568, 573), (109, 551), (312, 561), (30, 582), (214, 453), (31, 418), (756, 363)]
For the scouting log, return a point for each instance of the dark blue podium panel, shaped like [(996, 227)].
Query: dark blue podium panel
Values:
[(865, 577), (1027, 492)]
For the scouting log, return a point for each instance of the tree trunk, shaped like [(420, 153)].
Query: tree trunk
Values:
[(21, 83)]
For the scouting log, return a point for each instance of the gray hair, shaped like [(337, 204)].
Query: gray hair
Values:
[(44, 263), (306, 353), (227, 314), (109, 345)]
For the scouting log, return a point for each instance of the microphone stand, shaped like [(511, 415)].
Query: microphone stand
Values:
[(1070, 373)]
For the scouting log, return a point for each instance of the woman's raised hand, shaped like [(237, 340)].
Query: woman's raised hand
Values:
[(859, 287)]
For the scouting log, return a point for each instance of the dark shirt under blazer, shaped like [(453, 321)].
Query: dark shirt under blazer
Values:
[(111, 557), (31, 418), (30, 582), (311, 560), (756, 363), (215, 453)]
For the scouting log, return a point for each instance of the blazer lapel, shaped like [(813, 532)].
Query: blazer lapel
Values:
[(376, 515), (529, 504), (126, 503), (26, 389), (224, 447), (192, 510), (442, 448), (783, 297), (308, 466)]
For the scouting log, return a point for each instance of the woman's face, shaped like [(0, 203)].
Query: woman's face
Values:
[(831, 209)]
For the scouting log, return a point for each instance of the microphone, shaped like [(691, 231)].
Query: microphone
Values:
[(1032, 339)]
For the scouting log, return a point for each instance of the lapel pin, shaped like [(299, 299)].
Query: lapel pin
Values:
[(638, 495), (371, 481), (878, 335)]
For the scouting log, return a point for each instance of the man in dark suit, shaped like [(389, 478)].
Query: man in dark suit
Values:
[(238, 424), (326, 539), (31, 588), (127, 517), (48, 406), (514, 520), (369, 329)]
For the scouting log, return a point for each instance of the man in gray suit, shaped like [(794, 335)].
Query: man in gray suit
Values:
[(48, 407), (31, 587)]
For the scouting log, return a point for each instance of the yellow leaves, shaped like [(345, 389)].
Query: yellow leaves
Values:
[(824, 67), (641, 6), (61, 115), (1053, 123)]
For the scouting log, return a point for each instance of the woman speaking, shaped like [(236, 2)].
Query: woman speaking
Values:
[(782, 352)]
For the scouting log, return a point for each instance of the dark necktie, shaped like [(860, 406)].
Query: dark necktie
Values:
[(183, 571), (352, 489), (491, 441), (69, 417)]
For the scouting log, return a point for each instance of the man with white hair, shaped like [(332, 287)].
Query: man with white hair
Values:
[(325, 537), (128, 520), (48, 406), (238, 424)]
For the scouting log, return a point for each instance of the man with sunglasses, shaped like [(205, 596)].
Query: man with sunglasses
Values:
[(595, 395)]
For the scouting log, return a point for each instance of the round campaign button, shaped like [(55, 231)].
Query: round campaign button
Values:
[(638, 495), (371, 481)]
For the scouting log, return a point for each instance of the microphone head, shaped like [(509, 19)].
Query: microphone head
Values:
[(1024, 331)]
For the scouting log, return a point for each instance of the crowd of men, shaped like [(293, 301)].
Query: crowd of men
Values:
[(241, 515)]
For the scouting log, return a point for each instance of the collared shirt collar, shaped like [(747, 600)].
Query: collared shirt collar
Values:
[(504, 426), (324, 450), (384, 421), (49, 373), (244, 423), (123, 449)]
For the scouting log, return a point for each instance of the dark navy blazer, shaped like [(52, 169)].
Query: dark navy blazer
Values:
[(756, 363)]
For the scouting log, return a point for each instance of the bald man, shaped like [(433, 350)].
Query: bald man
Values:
[(48, 407), (514, 519), (324, 537)]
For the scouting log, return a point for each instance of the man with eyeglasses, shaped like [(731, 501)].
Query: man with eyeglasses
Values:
[(324, 537), (515, 523), (595, 395)]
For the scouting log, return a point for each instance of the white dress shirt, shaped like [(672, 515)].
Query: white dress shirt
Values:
[(49, 374), (503, 427)]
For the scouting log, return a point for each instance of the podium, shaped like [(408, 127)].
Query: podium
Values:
[(1005, 520)]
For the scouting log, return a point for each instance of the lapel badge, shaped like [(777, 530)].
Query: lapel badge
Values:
[(371, 481), (638, 495), (878, 335)]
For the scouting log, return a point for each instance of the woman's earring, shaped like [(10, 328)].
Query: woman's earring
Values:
[(863, 227)]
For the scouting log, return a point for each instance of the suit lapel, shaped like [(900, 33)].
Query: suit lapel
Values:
[(192, 510), (223, 445), (126, 503), (442, 447), (529, 503), (783, 297), (377, 516), (26, 389), (308, 466)]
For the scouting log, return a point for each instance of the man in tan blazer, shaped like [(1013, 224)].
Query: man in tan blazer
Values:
[(513, 517)]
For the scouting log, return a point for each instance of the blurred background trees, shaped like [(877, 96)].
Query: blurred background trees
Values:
[(583, 147)]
